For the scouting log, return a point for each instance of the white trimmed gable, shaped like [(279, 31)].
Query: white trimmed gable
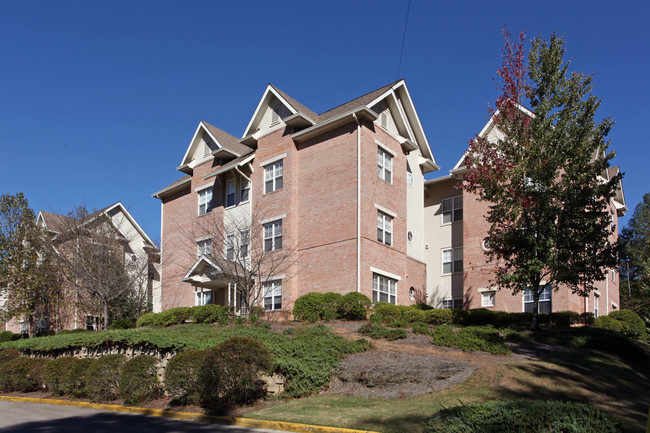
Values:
[(201, 147), (269, 113)]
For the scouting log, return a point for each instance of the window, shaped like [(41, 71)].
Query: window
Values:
[(231, 196), (244, 190), (452, 304), (203, 298), (452, 260), (273, 295), (384, 228), (384, 165), (613, 275), (230, 247), (412, 293), (205, 247), (487, 299), (273, 236), (544, 300), (272, 177), (205, 201), (244, 242), (596, 306), (452, 209), (384, 289)]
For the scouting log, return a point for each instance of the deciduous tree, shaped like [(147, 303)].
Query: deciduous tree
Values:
[(635, 261), (544, 178)]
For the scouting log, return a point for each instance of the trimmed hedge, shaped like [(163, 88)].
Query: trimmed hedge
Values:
[(9, 336), (309, 307), (7, 355), (438, 316), (354, 306), (123, 324), (139, 380), (22, 374), (229, 374), (524, 416), (210, 313), (633, 327), (471, 339), (182, 376), (67, 376), (314, 306), (103, 380)]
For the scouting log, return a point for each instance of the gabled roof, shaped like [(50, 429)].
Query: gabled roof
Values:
[(237, 162), (223, 140), (174, 186), (361, 101), (59, 223), (298, 107)]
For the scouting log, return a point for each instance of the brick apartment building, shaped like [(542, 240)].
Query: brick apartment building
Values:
[(344, 187), (458, 274)]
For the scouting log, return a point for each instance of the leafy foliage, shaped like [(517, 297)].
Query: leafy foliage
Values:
[(229, 374), (122, 324), (524, 415), (7, 355), (438, 316), (471, 339), (103, 380), (633, 325), (139, 380), (354, 306), (548, 212), (8, 336), (210, 313), (22, 374), (182, 376)]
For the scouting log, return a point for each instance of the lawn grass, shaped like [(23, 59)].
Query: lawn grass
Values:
[(594, 378)]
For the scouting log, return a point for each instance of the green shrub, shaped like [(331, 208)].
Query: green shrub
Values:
[(564, 318), (308, 307), (174, 316), (587, 318), (210, 313), (420, 328), (257, 313), (22, 374), (45, 333), (6, 336), (354, 306), (139, 380), (229, 374), (423, 306), (412, 314), (73, 331), (103, 382), (471, 339), (79, 374), (609, 323), (634, 326), (8, 354), (377, 331), (147, 320), (123, 324), (331, 305), (438, 316), (388, 312), (524, 416), (57, 373), (515, 336), (182, 376)]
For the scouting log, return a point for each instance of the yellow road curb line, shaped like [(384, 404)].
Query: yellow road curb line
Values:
[(227, 420)]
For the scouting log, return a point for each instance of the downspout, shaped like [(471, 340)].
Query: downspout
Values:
[(358, 201), (242, 174)]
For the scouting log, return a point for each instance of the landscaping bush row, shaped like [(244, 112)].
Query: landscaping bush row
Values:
[(314, 306), (624, 322), (524, 416), (305, 355), (471, 339), (210, 313)]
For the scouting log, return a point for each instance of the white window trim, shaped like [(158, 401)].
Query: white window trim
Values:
[(385, 148), (492, 298), (385, 274), (208, 203), (272, 160), (243, 182), (274, 277), (275, 177), (390, 213), (232, 182), (202, 187), (382, 175), (442, 222), (453, 259), (275, 218), (264, 296), (384, 230)]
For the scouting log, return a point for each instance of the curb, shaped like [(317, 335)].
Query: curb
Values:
[(189, 416)]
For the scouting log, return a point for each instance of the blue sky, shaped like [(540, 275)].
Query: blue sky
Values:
[(99, 100)]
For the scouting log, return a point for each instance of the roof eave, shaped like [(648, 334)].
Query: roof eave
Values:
[(335, 122), (298, 120), (171, 189)]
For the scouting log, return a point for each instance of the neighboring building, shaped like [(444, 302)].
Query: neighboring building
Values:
[(458, 274), (120, 226), (345, 185)]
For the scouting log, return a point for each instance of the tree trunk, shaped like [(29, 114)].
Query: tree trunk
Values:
[(106, 317), (534, 323)]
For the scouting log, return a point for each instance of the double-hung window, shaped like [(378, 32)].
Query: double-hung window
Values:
[(205, 247), (384, 228), (452, 209), (203, 297), (384, 289), (244, 190), (487, 299), (452, 260), (273, 295), (244, 242), (545, 299), (384, 165), (205, 201), (273, 236), (452, 303), (230, 247), (231, 195), (273, 177)]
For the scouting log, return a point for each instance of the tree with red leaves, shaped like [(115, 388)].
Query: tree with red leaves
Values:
[(544, 177)]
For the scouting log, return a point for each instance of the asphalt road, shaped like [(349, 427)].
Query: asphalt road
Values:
[(45, 418)]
